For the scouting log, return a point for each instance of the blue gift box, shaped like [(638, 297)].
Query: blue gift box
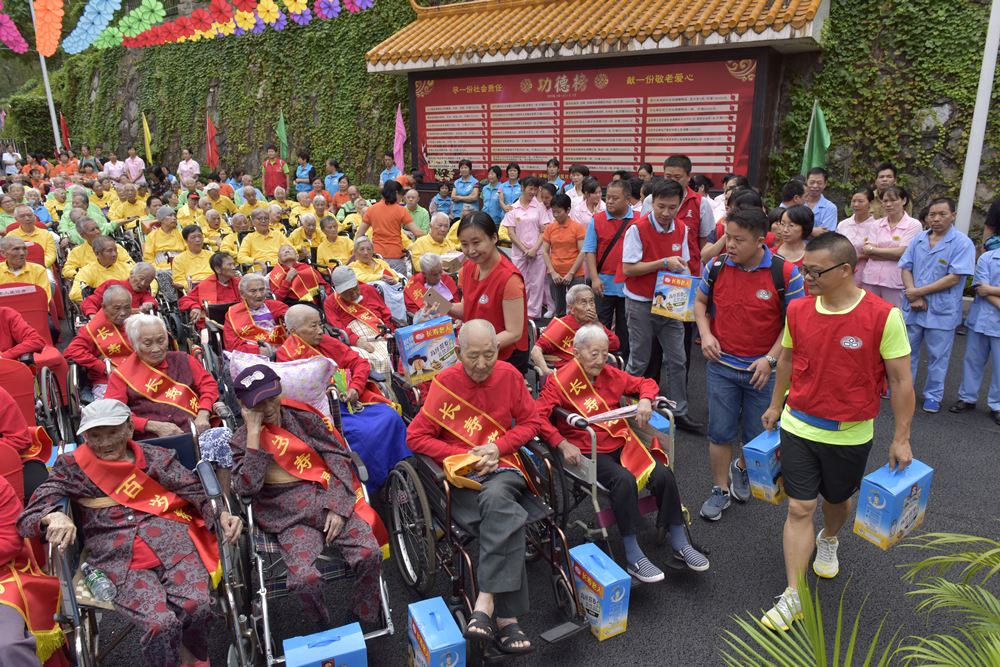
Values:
[(763, 459), (892, 503), (339, 647), (603, 588), (435, 640), (427, 348)]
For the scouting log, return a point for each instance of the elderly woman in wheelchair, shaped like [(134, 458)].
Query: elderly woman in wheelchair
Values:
[(290, 460), (147, 524), (588, 386)]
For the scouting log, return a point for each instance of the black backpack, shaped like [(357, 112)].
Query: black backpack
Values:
[(777, 276)]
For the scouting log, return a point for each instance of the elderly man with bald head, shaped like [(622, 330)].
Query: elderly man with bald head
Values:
[(307, 236), (17, 269), (79, 200), (464, 394), (31, 232), (103, 339), (251, 201)]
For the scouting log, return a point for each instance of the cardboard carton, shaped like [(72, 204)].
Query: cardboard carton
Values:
[(427, 348), (435, 640), (452, 261), (892, 503), (339, 647), (763, 458), (674, 296), (603, 588)]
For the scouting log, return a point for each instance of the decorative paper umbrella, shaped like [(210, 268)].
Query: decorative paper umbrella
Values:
[(268, 11), (303, 17), (221, 11)]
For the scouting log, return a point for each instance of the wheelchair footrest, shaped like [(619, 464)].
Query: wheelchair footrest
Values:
[(566, 630)]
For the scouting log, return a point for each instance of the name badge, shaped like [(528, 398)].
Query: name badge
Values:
[(942, 261), (895, 238)]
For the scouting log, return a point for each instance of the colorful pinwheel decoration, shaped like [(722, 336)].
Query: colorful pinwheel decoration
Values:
[(295, 6), (268, 11), (365, 4), (245, 20), (226, 28), (281, 22), (221, 11), (352, 6), (303, 17), (258, 26), (327, 9), (97, 15), (48, 25)]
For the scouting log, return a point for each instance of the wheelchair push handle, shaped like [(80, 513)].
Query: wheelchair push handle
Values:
[(571, 418), (222, 410)]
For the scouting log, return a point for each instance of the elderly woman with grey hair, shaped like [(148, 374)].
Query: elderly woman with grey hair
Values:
[(377, 272), (256, 319), (167, 390), (431, 277)]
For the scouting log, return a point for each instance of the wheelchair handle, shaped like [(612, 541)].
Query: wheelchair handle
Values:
[(208, 479), (222, 410)]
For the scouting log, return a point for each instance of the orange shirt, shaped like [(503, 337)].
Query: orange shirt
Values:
[(562, 240), (340, 198), (386, 220), (68, 169)]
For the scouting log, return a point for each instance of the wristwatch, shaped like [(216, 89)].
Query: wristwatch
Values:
[(771, 360)]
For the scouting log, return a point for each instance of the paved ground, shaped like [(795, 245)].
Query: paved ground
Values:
[(680, 621)]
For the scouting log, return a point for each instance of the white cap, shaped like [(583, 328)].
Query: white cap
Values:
[(106, 412)]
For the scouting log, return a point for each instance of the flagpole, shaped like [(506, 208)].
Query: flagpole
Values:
[(977, 133), (48, 90)]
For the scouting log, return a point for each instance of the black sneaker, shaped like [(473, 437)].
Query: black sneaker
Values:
[(961, 406)]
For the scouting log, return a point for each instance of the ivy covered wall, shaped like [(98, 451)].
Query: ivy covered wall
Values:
[(897, 81), (316, 74)]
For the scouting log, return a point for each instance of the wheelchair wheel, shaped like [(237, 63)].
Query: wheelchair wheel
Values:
[(412, 537), (559, 497), (52, 402), (565, 602)]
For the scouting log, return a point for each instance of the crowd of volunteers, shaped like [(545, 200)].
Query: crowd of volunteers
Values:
[(808, 319)]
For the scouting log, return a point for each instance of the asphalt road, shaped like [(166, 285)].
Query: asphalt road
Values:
[(681, 620)]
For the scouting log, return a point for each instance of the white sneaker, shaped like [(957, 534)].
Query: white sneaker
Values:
[(549, 313), (826, 564), (787, 610)]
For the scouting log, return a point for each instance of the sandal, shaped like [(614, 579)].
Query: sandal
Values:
[(483, 625), (509, 634)]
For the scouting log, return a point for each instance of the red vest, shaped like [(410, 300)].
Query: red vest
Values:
[(655, 246), (484, 299), (690, 214), (606, 230), (274, 176), (837, 368), (747, 317)]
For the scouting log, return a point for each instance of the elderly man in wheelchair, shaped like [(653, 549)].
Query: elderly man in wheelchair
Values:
[(481, 412), (290, 460), (587, 386), (147, 524)]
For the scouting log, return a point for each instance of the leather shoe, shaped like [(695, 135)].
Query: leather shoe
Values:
[(996, 415), (685, 423), (961, 407)]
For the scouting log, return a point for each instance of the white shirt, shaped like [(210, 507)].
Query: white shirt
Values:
[(9, 160), (632, 249)]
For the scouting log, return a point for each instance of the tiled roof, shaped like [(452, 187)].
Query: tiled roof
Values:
[(493, 31)]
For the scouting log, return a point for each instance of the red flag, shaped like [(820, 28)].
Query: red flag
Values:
[(65, 130), (211, 148)]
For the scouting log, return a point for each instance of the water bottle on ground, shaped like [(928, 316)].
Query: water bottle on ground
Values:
[(98, 583)]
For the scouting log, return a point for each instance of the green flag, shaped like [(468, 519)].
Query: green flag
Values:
[(283, 137), (817, 141)]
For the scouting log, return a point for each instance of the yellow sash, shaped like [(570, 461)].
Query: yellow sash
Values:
[(576, 387), (156, 386), (127, 484), (108, 339), (560, 335)]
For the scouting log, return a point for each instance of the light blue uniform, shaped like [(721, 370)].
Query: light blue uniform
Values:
[(511, 191), (332, 182), (559, 183), (611, 288), (984, 336), (955, 254), (825, 214), (491, 202), (388, 175), (463, 188)]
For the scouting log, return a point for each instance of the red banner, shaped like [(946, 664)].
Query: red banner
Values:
[(608, 119)]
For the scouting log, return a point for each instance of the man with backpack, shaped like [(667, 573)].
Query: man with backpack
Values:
[(740, 313)]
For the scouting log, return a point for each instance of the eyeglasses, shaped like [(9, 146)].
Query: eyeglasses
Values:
[(816, 274)]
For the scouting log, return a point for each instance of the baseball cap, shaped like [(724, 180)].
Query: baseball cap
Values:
[(343, 279), (256, 383), (212, 186), (105, 412)]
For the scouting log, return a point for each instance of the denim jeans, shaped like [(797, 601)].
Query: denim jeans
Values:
[(732, 401)]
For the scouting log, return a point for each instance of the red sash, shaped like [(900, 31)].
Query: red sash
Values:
[(304, 285), (41, 445), (356, 310), (157, 386), (296, 348), (109, 340), (560, 335), (246, 329), (580, 393), (126, 483), (37, 596), (416, 291), (468, 423), (295, 448), (208, 289)]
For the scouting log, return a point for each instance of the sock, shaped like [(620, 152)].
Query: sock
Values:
[(677, 537), (633, 554)]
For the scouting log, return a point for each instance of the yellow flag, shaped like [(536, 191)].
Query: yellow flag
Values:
[(145, 132)]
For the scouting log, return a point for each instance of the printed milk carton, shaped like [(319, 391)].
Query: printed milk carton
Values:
[(892, 503), (674, 296), (603, 588), (435, 640), (339, 647), (427, 348), (763, 458)]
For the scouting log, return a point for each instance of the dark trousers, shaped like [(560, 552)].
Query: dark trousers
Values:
[(558, 293), (656, 354), (625, 493), (611, 313)]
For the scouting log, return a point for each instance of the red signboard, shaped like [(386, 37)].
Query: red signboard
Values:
[(608, 119)]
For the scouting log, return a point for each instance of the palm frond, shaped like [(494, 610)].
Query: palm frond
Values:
[(970, 553), (949, 651), (981, 607)]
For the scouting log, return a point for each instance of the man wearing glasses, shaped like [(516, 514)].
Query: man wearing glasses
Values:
[(847, 343), (741, 338)]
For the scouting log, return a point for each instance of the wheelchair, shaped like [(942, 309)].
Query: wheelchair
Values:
[(425, 538), (80, 613), (579, 483), (77, 382), (260, 558)]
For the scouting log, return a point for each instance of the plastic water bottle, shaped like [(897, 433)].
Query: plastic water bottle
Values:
[(98, 583)]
